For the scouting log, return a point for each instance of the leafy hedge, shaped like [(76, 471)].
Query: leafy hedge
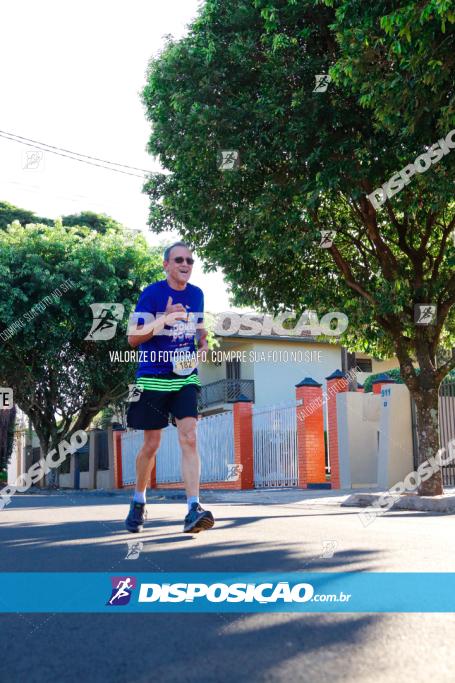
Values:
[(395, 375)]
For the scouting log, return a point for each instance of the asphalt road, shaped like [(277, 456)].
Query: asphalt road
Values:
[(83, 532)]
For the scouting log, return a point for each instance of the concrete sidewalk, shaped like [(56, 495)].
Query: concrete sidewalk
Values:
[(360, 498)]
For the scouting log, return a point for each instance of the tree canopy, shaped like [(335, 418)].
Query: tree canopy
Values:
[(244, 79), (10, 213), (49, 277), (398, 57), (96, 221)]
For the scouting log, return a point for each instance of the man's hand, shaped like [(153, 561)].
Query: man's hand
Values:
[(202, 344), (174, 312)]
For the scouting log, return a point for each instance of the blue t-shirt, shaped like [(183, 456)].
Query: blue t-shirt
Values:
[(178, 338)]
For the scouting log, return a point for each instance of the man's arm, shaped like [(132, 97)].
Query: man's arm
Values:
[(172, 313), (201, 332), (201, 337)]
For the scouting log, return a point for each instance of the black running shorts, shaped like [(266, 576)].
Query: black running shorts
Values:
[(166, 395)]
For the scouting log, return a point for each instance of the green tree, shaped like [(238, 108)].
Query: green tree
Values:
[(49, 277), (398, 58), (243, 79), (10, 213), (95, 221), (100, 222)]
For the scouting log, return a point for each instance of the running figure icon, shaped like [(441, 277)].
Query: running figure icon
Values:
[(121, 592)]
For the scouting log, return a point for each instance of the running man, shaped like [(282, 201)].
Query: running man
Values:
[(169, 381), (121, 592)]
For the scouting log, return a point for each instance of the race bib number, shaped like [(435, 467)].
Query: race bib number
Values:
[(184, 364)]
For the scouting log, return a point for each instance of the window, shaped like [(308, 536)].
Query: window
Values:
[(364, 364), (233, 369)]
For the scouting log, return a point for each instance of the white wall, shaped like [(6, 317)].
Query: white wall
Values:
[(13, 470), (384, 365), (275, 381), (271, 377), (358, 417), (84, 480), (103, 479), (66, 480), (395, 444)]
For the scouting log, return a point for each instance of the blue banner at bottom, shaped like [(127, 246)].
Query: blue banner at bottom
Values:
[(227, 592)]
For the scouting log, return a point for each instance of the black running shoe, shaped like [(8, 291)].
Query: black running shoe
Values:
[(198, 519), (136, 516)]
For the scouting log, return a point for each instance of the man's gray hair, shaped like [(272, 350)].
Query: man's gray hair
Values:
[(167, 251)]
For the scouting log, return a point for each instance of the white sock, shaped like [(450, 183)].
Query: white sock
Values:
[(139, 496), (190, 500)]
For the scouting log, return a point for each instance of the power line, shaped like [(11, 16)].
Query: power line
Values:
[(87, 156), (28, 142)]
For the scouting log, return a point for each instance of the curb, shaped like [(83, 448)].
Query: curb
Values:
[(412, 501)]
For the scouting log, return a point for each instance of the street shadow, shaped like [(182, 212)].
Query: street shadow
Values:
[(249, 648), (102, 545), (244, 647)]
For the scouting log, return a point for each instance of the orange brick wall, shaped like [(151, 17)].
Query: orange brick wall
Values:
[(243, 453), (243, 442), (310, 437), (118, 476), (334, 385)]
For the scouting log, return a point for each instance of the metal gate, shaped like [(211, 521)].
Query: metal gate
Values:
[(446, 428), (132, 442), (215, 440), (215, 437), (275, 446)]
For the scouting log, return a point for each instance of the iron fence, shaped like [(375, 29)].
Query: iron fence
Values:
[(446, 428), (275, 446), (215, 439), (225, 391)]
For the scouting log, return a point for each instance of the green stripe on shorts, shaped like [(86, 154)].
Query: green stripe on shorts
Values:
[(157, 384)]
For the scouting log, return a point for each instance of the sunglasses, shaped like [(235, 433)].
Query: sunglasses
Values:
[(188, 259)]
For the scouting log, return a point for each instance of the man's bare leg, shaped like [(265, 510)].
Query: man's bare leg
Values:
[(191, 463), (146, 458), (144, 463), (197, 519)]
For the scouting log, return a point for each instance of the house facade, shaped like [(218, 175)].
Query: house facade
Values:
[(265, 369)]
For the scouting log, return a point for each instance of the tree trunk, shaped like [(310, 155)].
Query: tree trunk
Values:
[(428, 437), (51, 478)]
